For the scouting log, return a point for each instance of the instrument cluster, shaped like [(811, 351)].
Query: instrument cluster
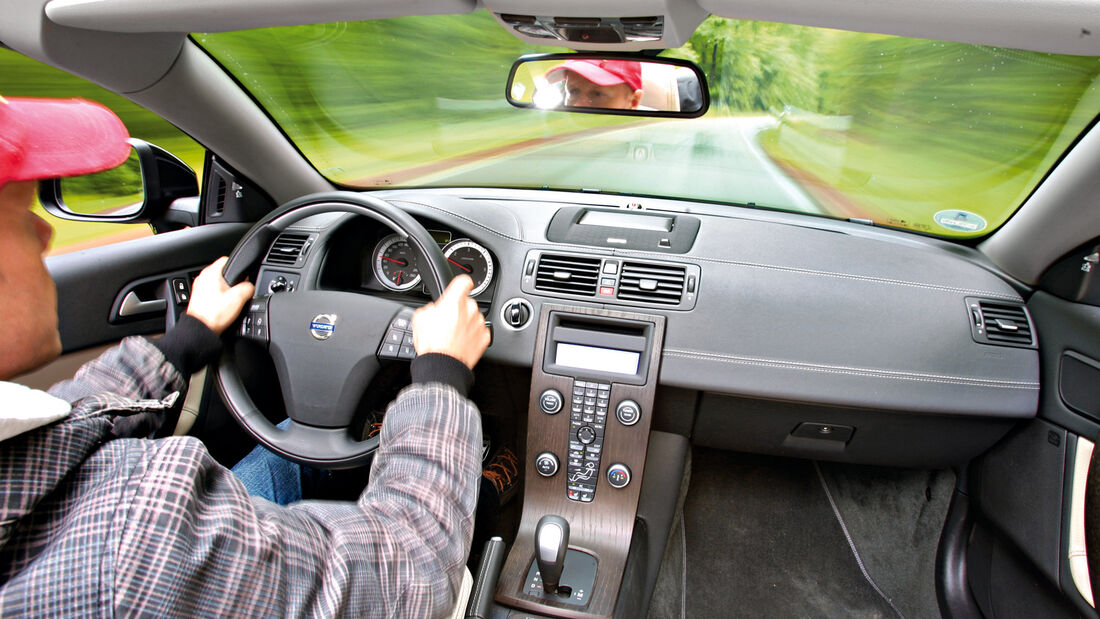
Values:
[(396, 265)]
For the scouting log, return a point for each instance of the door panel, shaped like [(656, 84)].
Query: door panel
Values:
[(92, 283), (1022, 488)]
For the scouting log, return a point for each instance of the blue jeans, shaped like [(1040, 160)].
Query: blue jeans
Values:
[(267, 475)]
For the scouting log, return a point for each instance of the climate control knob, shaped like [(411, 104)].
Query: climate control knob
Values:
[(546, 464), (618, 475)]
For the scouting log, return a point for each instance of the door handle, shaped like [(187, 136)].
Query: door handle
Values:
[(133, 306)]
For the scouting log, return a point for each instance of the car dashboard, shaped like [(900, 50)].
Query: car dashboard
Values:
[(784, 333)]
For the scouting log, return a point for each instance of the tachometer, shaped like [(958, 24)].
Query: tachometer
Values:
[(468, 257), (395, 263)]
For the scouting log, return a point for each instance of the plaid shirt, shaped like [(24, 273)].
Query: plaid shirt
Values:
[(93, 523)]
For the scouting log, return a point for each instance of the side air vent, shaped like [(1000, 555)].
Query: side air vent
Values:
[(568, 274), (651, 283), (286, 249), (219, 204), (1000, 323)]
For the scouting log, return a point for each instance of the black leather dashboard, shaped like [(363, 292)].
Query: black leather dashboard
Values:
[(792, 308), (816, 313)]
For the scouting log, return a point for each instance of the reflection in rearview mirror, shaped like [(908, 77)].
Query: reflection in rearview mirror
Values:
[(117, 192), (607, 85)]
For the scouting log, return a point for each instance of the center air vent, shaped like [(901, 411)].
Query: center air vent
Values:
[(568, 274), (651, 283), (1000, 323), (286, 249)]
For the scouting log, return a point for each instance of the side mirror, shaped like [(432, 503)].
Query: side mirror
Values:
[(609, 84), (142, 189)]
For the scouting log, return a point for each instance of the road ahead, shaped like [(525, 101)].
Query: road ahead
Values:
[(712, 159)]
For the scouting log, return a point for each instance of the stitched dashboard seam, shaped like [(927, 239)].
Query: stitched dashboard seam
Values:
[(753, 265), (839, 369)]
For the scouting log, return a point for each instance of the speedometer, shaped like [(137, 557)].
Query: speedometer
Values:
[(468, 257), (395, 263)]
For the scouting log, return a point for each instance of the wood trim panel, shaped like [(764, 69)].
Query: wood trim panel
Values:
[(602, 528)]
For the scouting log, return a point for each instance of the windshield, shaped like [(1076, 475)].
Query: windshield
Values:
[(941, 138)]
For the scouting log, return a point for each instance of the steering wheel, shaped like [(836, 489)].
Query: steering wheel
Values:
[(324, 343)]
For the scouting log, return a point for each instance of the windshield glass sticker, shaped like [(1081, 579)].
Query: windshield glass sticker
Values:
[(961, 221)]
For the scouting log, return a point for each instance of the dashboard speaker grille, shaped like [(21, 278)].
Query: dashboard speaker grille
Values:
[(568, 274), (286, 249), (651, 283)]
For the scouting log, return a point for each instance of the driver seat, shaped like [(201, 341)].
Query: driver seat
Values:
[(464, 590)]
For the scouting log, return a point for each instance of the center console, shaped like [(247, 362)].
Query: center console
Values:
[(592, 390)]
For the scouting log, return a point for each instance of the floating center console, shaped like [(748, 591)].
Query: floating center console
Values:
[(592, 387)]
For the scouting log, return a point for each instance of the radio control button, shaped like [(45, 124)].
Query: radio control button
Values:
[(550, 401), (586, 434)]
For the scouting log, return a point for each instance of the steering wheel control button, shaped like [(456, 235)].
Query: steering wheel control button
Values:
[(254, 320), (550, 402), (618, 475), (401, 322), (546, 464), (398, 341), (628, 412)]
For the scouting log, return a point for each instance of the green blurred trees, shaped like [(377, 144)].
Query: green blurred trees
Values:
[(892, 87), (756, 66)]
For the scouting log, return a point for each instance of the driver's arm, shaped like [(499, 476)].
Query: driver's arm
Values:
[(397, 551)]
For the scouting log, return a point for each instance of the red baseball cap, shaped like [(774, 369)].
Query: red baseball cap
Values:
[(601, 72), (44, 138)]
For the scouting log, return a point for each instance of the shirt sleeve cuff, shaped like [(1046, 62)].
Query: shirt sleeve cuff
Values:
[(190, 345), (440, 368)]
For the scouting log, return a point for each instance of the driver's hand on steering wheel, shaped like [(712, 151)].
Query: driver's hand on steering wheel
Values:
[(213, 302), (452, 325)]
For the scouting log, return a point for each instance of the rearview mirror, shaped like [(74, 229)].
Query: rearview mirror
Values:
[(142, 189), (608, 84)]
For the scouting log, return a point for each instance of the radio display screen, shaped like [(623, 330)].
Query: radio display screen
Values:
[(597, 359)]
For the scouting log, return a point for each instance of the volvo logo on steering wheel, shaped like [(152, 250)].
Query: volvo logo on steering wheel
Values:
[(323, 326)]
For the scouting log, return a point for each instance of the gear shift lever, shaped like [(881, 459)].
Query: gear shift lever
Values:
[(551, 541)]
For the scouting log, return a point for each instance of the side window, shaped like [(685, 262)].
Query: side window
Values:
[(23, 77)]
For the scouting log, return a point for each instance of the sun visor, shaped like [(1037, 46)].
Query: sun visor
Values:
[(228, 15), (1055, 26)]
